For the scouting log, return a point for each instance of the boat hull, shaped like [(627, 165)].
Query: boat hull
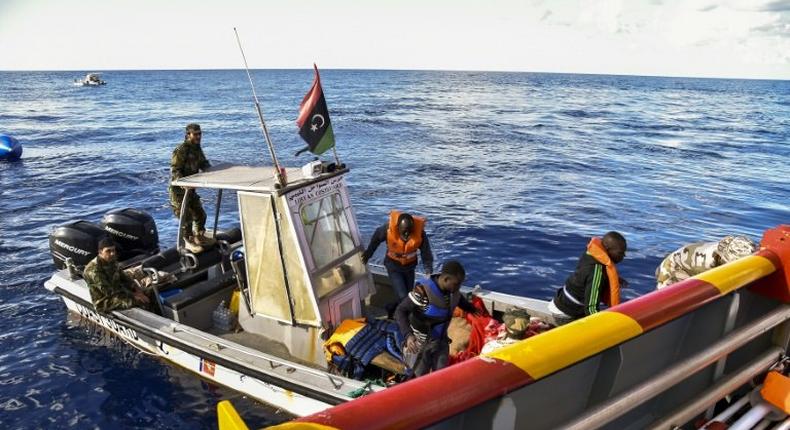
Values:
[(283, 384), (212, 367)]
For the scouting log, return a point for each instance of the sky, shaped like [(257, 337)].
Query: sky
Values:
[(697, 38)]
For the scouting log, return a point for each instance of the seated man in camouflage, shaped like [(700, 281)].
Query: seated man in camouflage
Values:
[(695, 258), (111, 289), (188, 159)]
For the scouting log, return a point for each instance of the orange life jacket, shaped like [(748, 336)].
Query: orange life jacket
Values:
[(596, 250), (405, 253)]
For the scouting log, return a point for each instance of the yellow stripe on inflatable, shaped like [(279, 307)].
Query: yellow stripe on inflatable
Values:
[(568, 344), (734, 275), (228, 418)]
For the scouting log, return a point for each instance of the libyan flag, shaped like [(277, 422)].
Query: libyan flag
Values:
[(313, 121)]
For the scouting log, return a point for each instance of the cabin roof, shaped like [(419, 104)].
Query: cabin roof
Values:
[(241, 178)]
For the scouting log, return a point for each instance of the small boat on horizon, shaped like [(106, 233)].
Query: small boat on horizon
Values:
[(90, 80)]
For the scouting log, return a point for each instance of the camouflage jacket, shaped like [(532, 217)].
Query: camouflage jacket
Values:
[(187, 159), (110, 287), (690, 260)]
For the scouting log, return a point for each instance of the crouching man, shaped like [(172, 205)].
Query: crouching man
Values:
[(424, 316), (111, 289)]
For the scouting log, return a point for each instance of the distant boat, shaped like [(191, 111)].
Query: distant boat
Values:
[(91, 79)]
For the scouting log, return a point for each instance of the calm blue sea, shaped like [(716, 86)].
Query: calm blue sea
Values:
[(514, 172)]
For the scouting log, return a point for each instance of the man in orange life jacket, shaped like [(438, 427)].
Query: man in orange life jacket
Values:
[(405, 235), (595, 280)]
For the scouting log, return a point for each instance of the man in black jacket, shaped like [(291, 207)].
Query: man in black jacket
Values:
[(595, 280), (424, 315)]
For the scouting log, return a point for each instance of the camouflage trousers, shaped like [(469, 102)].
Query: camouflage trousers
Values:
[(119, 303), (195, 216), (115, 303)]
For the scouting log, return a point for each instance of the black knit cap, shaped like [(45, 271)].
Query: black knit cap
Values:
[(106, 242), (454, 268)]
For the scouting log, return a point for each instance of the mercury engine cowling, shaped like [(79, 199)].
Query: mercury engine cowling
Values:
[(77, 240), (134, 232)]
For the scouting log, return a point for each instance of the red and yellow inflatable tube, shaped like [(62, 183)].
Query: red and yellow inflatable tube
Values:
[(427, 400)]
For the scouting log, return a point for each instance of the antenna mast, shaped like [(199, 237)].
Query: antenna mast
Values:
[(277, 169)]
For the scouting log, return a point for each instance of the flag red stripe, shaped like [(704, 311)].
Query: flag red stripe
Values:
[(310, 99)]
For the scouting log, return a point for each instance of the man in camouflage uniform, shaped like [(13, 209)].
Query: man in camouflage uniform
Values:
[(111, 289), (188, 159), (695, 258)]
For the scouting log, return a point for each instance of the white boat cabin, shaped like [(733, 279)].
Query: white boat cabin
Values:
[(302, 253)]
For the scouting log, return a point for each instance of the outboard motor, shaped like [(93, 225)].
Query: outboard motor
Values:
[(133, 231), (78, 241)]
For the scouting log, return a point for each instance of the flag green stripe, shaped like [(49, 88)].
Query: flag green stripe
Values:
[(326, 143)]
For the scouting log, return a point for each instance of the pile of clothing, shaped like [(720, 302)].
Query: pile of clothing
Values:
[(474, 334), (356, 343)]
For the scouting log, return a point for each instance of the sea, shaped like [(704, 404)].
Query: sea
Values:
[(513, 171)]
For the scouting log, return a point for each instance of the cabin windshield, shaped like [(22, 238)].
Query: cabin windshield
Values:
[(327, 229)]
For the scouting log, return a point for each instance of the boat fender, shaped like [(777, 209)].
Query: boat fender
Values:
[(10, 148)]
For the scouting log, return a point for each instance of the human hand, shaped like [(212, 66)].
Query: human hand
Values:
[(141, 297), (411, 344)]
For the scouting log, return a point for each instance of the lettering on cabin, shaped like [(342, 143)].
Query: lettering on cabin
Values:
[(314, 191)]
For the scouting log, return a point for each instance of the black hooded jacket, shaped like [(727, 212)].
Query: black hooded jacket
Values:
[(585, 286)]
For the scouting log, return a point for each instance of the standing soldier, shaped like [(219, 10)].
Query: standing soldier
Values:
[(110, 288), (188, 159)]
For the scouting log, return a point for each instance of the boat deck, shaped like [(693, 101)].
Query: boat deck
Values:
[(263, 344)]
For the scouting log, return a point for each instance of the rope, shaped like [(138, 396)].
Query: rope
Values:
[(366, 389)]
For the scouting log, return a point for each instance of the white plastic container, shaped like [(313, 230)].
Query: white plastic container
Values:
[(223, 318)]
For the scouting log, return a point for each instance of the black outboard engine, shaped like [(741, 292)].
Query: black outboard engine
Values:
[(78, 241), (133, 231)]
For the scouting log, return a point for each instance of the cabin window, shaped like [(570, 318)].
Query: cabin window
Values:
[(327, 230)]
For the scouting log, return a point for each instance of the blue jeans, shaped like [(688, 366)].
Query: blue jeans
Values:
[(402, 282)]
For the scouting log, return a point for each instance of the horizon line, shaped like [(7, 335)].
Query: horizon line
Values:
[(391, 70)]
